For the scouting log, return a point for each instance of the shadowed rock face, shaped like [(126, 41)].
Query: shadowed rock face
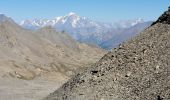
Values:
[(164, 18), (137, 70)]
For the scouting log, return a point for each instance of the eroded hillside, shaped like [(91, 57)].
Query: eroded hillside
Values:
[(40, 57)]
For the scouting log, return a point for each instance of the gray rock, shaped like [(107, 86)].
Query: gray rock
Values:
[(164, 18)]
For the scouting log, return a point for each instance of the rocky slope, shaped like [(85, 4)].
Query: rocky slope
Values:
[(42, 54), (137, 70)]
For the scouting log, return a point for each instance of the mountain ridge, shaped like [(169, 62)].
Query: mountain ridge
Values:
[(84, 29)]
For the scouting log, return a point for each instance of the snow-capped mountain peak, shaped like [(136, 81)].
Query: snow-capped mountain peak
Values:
[(71, 13), (71, 19), (137, 21), (81, 28), (58, 18)]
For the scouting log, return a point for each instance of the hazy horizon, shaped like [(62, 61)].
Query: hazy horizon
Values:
[(99, 10)]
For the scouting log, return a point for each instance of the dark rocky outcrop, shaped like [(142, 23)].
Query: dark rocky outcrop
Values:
[(164, 18), (137, 70)]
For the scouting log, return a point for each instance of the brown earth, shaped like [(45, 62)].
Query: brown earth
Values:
[(38, 59)]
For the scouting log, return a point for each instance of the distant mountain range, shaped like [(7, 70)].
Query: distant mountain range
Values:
[(88, 31), (125, 34)]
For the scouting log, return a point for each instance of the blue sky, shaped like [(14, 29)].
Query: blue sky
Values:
[(100, 10)]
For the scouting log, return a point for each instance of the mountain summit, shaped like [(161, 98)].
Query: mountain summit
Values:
[(4, 18), (164, 18), (84, 29), (137, 70), (71, 13)]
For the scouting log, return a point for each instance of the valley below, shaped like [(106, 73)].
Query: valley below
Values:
[(17, 89)]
